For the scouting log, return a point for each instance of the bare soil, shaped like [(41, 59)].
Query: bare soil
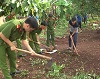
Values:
[(88, 46)]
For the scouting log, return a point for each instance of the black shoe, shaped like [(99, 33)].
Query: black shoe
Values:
[(19, 56), (16, 72)]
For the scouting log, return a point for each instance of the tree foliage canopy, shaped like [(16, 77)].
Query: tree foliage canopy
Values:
[(64, 6)]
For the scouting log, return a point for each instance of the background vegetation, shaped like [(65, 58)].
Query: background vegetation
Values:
[(62, 8)]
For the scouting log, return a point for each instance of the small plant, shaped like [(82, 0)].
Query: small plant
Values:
[(81, 75), (37, 77), (56, 71), (37, 61), (39, 74), (24, 73)]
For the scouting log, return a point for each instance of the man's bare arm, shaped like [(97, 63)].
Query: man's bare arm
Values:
[(7, 41), (25, 42)]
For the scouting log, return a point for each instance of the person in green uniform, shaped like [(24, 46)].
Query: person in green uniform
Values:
[(18, 41), (11, 31), (50, 30), (34, 38)]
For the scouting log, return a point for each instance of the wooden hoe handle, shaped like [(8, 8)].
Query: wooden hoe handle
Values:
[(74, 46), (42, 56)]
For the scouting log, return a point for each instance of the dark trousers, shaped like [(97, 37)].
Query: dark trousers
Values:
[(85, 20), (79, 25), (75, 36)]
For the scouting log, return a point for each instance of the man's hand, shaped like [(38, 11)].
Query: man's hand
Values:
[(70, 36), (13, 48), (33, 53)]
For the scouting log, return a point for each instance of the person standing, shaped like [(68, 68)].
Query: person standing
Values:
[(85, 19), (50, 30), (73, 25), (9, 32)]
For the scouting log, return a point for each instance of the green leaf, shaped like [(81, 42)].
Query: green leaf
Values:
[(61, 2)]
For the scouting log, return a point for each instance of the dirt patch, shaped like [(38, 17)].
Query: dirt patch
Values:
[(89, 60)]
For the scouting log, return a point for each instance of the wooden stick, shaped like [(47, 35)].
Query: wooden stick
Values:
[(74, 46), (42, 56)]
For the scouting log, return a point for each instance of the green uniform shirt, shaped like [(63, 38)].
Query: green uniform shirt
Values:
[(38, 31), (50, 24), (33, 33), (13, 30), (9, 17)]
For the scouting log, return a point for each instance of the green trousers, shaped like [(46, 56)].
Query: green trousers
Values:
[(32, 44), (50, 38), (37, 46), (4, 53)]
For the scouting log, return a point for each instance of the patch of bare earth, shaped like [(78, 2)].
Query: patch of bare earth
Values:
[(88, 46)]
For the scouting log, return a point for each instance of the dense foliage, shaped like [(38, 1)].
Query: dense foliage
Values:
[(58, 7)]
